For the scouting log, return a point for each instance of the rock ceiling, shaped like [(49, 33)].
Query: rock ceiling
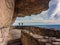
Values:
[(28, 7)]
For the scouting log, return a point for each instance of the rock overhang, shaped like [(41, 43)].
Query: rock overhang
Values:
[(28, 7)]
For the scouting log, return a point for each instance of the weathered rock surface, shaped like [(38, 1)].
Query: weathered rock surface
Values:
[(15, 34), (23, 8), (35, 39), (4, 36), (28, 7), (42, 31), (6, 12)]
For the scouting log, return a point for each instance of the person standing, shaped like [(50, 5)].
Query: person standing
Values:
[(22, 24), (19, 24)]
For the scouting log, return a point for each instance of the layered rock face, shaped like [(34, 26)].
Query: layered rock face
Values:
[(40, 36), (28, 7), (6, 12), (30, 38), (4, 36), (22, 8)]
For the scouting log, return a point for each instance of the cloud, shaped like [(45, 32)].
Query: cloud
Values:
[(54, 8), (50, 16)]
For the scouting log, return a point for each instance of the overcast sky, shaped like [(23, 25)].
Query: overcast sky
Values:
[(50, 16)]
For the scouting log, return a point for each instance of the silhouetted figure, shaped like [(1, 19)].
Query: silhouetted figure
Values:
[(19, 24), (22, 24)]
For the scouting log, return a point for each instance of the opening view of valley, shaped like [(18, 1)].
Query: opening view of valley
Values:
[(29, 22)]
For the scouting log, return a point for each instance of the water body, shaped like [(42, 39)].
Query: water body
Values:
[(57, 27), (41, 25)]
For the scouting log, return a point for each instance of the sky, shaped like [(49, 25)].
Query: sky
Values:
[(50, 16)]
